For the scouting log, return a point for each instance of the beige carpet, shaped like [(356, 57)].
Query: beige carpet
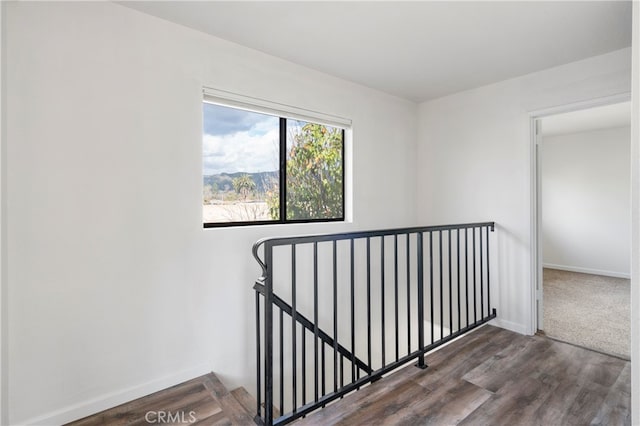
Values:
[(588, 310)]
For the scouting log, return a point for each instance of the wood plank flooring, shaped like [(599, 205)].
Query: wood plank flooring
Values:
[(201, 401), (494, 377), (488, 377)]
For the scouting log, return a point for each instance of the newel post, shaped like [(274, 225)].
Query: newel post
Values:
[(420, 259), (268, 334)]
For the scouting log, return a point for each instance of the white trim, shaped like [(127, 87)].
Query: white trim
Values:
[(587, 270), (113, 399), (511, 326), (536, 249), (577, 106), (248, 103)]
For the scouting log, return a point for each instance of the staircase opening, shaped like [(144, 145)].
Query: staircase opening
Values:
[(336, 312)]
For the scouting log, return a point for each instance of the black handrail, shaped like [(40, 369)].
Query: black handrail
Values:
[(301, 239), (471, 256)]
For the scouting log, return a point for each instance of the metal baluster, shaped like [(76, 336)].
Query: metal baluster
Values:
[(304, 365), (258, 359), (382, 298), (395, 289), (466, 273), (323, 361), (408, 293), (294, 317), (369, 302), (450, 291), (441, 285), (341, 371), (481, 277), (431, 280), (488, 276), (315, 321), (335, 316), (458, 273), (353, 317), (281, 383), (475, 302)]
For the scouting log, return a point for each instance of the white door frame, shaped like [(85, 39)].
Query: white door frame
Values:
[(536, 320)]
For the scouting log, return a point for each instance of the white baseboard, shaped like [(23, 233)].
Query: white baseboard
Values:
[(113, 399), (511, 326), (587, 270)]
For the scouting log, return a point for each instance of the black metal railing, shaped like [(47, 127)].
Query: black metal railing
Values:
[(361, 305)]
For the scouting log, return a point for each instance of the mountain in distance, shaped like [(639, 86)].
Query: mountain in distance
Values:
[(224, 181)]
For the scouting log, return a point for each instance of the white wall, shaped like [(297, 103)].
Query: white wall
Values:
[(474, 158), (586, 203), (3, 270), (114, 288), (635, 218)]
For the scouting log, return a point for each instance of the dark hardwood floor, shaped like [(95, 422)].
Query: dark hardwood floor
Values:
[(494, 377), (489, 377), (201, 401)]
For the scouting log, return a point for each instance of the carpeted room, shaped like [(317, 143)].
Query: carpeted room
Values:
[(586, 219)]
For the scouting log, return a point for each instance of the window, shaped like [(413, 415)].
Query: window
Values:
[(260, 167)]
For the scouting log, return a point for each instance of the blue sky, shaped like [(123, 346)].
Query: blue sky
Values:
[(238, 141)]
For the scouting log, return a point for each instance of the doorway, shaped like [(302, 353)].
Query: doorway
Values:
[(582, 226)]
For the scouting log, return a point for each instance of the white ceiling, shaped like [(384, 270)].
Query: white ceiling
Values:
[(415, 50), (604, 117)]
